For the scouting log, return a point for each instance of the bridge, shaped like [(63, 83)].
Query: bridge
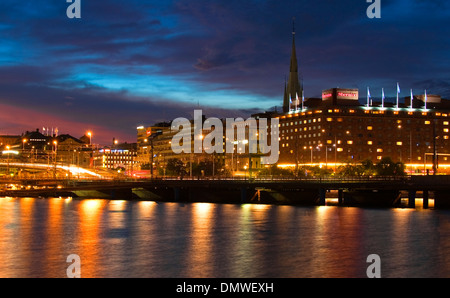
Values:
[(370, 191)]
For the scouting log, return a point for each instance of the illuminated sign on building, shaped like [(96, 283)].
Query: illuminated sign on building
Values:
[(326, 95), (347, 95), (339, 94)]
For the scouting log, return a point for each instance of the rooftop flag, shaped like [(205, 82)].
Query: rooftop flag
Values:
[(303, 99)]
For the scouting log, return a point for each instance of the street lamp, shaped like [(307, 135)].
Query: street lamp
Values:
[(7, 168), (56, 149), (90, 137), (151, 137)]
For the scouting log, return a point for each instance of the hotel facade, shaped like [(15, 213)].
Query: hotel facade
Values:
[(333, 132)]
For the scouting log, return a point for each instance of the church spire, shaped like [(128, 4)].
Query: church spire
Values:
[(294, 88), (294, 64)]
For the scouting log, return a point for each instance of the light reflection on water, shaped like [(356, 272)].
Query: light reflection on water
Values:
[(149, 239)]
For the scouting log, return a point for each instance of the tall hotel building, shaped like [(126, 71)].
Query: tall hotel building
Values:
[(338, 129)]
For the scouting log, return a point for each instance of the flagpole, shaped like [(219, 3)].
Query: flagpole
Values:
[(368, 97), (303, 100)]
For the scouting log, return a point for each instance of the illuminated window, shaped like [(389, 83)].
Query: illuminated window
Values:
[(399, 143), (438, 114), (445, 129), (339, 119), (379, 157), (340, 149), (329, 142), (427, 122), (350, 142), (445, 137), (352, 111), (399, 121), (329, 119), (379, 150), (419, 158), (369, 127), (445, 122), (369, 142)]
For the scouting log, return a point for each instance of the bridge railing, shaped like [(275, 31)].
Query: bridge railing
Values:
[(423, 180)]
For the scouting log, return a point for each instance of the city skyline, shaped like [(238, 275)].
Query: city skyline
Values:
[(137, 63)]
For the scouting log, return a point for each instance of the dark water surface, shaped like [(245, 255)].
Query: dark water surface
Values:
[(149, 239)]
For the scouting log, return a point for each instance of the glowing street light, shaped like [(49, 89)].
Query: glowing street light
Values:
[(89, 133), (7, 149)]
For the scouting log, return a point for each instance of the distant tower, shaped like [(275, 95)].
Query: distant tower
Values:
[(293, 88)]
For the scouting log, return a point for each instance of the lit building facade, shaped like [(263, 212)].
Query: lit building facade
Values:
[(118, 158), (155, 149), (337, 134)]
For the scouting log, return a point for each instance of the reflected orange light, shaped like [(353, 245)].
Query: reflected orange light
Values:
[(201, 244), (146, 207), (90, 217)]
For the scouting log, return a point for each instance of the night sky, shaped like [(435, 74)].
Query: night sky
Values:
[(138, 62)]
